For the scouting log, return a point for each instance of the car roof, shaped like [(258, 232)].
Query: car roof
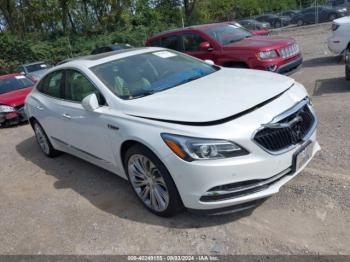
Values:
[(9, 76), (93, 60), (34, 63), (193, 27)]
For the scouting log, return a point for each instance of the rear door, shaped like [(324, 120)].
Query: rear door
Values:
[(172, 42), (86, 132), (47, 103)]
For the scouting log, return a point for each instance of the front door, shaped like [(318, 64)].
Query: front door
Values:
[(191, 46)]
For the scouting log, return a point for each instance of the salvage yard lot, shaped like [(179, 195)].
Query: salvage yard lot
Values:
[(68, 206)]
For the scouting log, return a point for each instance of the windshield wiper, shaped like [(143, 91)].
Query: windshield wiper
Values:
[(147, 93)]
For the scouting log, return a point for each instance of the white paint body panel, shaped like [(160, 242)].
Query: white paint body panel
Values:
[(340, 39), (196, 101)]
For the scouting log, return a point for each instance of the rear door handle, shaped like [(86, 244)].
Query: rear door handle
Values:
[(39, 108), (67, 116)]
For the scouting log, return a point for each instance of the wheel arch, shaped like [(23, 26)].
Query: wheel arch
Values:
[(31, 120), (236, 64)]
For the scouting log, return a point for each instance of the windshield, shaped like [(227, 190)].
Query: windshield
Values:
[(149, 73), (228, 34), (37, 67), (14, 83)]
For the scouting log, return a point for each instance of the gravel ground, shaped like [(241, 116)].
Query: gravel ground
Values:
[(67, 206)]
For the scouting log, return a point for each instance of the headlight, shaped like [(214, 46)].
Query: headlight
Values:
[(6, 109), (190, 148), (268, 54), (343, 10)]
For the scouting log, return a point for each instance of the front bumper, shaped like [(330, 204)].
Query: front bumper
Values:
[(284, 66), (195, 179), (13, 118), (291, 67)]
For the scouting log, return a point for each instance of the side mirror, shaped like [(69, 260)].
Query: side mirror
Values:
[(205, 46), (209, 62), (90, 103), (22, 73)]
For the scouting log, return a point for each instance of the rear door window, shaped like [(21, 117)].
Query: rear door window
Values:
[(171, 42), (51, 84)]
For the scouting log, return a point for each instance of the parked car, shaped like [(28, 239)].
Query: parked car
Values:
[(256, 32), (339, 41), (347, 65), (254, 25), (318, 14), (34, 70), (231, 46), (176, 127), (290, 13), (14, 89), (110, 48), (339, 4), (274, 20)]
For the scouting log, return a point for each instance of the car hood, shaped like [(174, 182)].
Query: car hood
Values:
[(343, 20), (15, 98), (261, 43), (217, 96)]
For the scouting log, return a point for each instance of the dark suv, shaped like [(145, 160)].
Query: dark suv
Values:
[(233, 46)]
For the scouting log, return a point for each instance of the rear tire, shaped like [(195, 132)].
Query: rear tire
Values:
[(278, 24), (300, 22), (347, 72), (152, 182), (43, 141)]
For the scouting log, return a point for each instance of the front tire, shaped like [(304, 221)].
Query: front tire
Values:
[(43, 141), (331, 17), (347, 72), (300, 22), (152, 182)]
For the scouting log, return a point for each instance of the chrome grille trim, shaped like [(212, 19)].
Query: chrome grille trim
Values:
[(290, 50), (282, 116)]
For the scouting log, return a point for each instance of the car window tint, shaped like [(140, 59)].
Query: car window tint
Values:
[(151, 73), (51, 84), (155, 42), (171, 42), (77, 86), (54, 85), (192, 42)]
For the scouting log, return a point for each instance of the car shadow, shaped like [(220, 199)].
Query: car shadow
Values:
[(110, 193), (333, 85), (323, 61)]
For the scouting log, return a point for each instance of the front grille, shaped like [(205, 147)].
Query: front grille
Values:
[(290, 50), (287, 132)]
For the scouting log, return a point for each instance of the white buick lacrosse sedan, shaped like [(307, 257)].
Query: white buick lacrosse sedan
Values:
[(185, 133)]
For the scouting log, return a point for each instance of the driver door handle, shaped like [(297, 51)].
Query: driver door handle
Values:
[(67, 116), (39, 108)]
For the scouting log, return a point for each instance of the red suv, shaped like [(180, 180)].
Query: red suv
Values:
[(232, 46)]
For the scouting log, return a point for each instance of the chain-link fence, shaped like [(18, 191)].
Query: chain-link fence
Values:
[(313, 12)]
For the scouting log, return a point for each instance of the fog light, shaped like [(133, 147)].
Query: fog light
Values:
[(272, 68)]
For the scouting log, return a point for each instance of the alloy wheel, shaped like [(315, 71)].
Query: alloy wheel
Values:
[(42, 139), (148, 182)]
